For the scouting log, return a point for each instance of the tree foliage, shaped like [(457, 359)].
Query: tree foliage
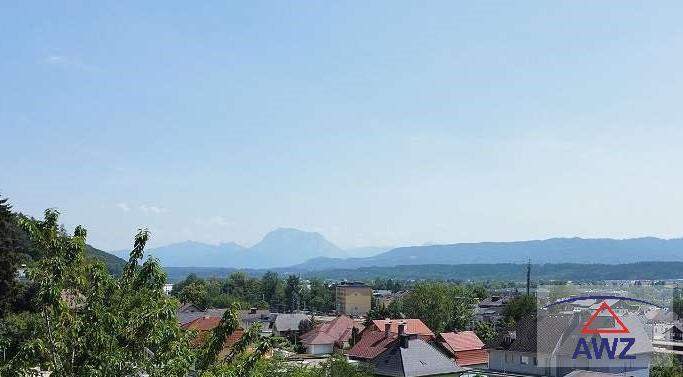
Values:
[(441, 306), (666, 366), (518, 307), (93, 324)]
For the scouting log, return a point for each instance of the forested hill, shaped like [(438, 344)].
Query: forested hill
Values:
[(114, 263)]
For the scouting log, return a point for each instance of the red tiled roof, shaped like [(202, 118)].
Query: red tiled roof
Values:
[(233, 338), (474, 357), (371, 345), (337, 331), (413, 326), (202, 324), (206, 324), (466, 346)]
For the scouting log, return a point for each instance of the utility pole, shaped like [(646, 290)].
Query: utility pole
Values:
[(528, 277)]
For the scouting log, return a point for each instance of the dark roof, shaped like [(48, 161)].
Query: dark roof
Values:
[(250, 317), (185, 316), (356, 284), (188, 308), (494, 301), (371, 345), (419, 358)]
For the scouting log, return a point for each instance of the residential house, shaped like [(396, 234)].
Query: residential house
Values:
[(327, 337), (659, 322), (289, 324), (353, 298), (189, 312), (466, 347), (411, 356), (673, 339), (545, 346), (490, 309), (412, 326), (675, 332), (250, 317)]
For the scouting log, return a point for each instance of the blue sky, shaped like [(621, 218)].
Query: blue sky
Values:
[(374, 123)]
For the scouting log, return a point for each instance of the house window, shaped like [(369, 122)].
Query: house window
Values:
[(524, 360), (507, 358), (535, 360)]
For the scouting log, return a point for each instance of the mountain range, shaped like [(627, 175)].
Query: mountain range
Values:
[(279, 248), (554, 250), (298, 250)]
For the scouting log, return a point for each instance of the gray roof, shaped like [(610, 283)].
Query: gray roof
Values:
[(247, 318), (418, 359), (186, 317), (289, 322)]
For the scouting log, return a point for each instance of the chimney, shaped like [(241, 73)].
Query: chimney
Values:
[(387, 327), (403, 337), (401, 328)]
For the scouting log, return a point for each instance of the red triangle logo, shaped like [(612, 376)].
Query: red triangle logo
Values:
[(622, 329)]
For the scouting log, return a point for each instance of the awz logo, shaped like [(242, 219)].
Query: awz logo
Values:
[(607, 346), (582, 348)]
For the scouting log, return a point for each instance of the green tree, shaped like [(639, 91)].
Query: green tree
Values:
[(519, 307), (271, 284), (93, 324), (432, 303), (666, 366), (292, 293), (12, 244), (320, 297), (195, 293), (485, 331), (462, 315)]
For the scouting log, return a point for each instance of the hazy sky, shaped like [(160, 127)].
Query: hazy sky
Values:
[(374, 123)]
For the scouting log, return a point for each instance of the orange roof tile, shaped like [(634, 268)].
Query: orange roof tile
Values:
[(413, 326), (466, 346), (202, 324), (337, 331)]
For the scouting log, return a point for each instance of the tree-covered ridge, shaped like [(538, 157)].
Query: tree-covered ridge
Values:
[(15, 244), (465, 272)]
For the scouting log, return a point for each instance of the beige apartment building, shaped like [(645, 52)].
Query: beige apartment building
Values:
[(353, 298)]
